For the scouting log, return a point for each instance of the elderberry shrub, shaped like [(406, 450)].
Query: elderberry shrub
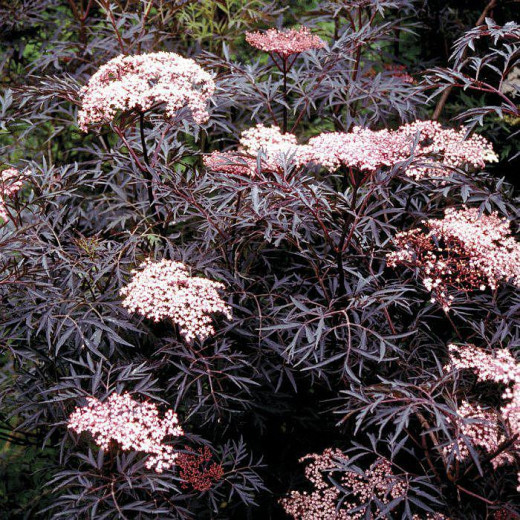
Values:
[(249, 270)]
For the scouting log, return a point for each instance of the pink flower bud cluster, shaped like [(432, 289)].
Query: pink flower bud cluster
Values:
[(10, 184), (197, 470), (143, 82), (285, 42), (367, 150), (500, 367), (399, 71), (232, 163), (162, 290), (133, 425), (323, 503), (463, 250)]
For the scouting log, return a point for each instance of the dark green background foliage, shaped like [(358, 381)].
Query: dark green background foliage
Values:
[(324, 350)]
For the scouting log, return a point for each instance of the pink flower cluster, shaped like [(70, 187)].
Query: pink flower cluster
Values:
[(285, 42), (197, 470), (267, 140), (133, 425), (368, 150), (323, 503), (464, 250), (482, 428), (399, 71), (500, 367), (434, 148), (164, 289), (143, 82), (10, 184), (232, 163)]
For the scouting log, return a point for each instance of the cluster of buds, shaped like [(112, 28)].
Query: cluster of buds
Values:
[(285, 42), (399, 71), (501, 368), (197, 470), (10, 184), (465, 251), (232, 163), (144, 82), (133, 425), (378, 482), (435, 150), (165, 290)]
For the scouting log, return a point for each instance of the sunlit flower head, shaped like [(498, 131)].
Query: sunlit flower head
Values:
[(144, 82)]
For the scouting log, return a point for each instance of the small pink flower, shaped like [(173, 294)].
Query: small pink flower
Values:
[(482, 428), (499, 367), (131, 424), (285, 42)]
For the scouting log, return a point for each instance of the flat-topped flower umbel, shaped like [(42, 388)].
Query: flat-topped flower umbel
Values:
[(285, 42), (142, 82), (165, 290), (368, 150), (134, 425), (436, 150)]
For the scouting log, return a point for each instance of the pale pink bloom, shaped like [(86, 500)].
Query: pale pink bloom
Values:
[(143, 82), (133, 425), (269, 139), (499, 367), (273, 145), (285, 42), (482, 428), (434, 148), (323, 503), (464, 250), (486, 240), (362, 149), (447, 147), (368, 150), (165, 290), (10, 184)]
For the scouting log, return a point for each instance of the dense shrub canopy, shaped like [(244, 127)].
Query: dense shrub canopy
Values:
[(259, 260)]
